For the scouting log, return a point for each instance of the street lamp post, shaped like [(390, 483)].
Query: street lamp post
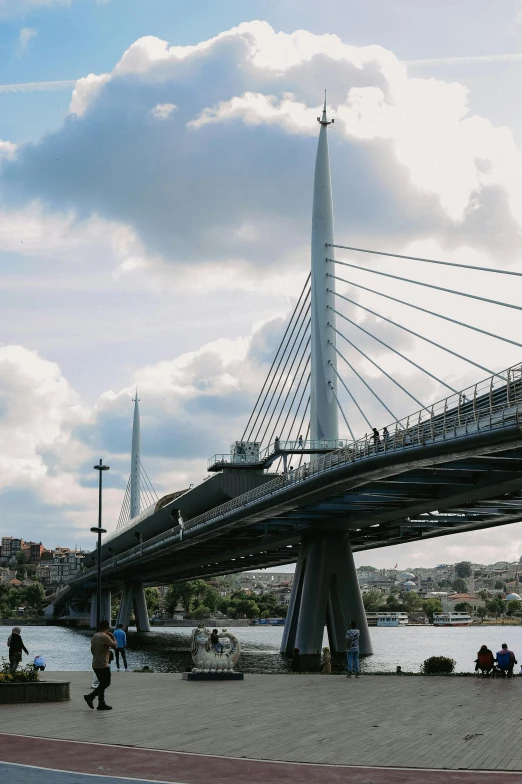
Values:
[(99, 531)]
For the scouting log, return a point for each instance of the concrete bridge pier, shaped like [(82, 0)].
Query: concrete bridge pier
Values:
[(106, 599), (133, 598), (325, 591)]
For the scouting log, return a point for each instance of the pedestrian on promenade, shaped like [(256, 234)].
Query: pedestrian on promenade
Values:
[(300, 442), (326, 661), (485, 661), (276, 444), (16, 646), (121, 642), (101, 644), (296, 660), (375, 436), (352, 649), (506, 661)]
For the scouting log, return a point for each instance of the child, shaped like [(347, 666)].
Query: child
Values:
[(39, 662), (326, 661), (214, 641)]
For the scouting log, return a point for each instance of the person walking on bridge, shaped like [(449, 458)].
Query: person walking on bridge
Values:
[(101, 644), (121, 642)]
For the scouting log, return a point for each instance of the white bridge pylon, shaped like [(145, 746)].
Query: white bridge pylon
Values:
[(325, 588)]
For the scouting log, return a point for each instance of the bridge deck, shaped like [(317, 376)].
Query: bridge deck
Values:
[(374, 720)]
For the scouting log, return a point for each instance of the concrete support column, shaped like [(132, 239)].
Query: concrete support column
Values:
[(325, 591), (106, 598), (133, 598)]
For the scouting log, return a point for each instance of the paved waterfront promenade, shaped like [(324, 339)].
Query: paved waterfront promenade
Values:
[(377, 721)]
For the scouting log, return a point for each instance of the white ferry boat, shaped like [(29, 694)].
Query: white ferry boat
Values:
[(452, 619), (387, 619)]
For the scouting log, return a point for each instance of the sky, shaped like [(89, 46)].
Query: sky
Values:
[(156, 169)]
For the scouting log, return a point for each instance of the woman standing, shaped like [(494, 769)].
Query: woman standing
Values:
[(326, 661), (16, 646)]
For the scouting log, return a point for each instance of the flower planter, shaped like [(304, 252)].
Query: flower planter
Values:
[(38, 691)]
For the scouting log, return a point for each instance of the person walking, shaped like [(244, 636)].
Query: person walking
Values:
[(121, 642), (352, 649), (101, 644), (301, 442), (296, 660), (16, 646)]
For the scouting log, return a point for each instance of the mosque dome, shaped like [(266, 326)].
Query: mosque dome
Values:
[(409, 583), (407, 575), (511, 596)]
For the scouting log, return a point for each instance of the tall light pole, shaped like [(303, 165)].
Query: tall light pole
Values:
[(99, 530)]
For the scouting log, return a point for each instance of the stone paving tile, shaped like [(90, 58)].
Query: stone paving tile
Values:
[(421, 722)]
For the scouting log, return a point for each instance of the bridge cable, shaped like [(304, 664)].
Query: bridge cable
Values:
[(299, 385), (379, 368), (280, 378), (275, 377), (302, 419), (425, 310), (151, 487), (354, 400), (277, 352), (429, 261), (428, 285), (282, 346), (364, 382), (428, 340), (355, 324), (341, 409), (123, 518), (304, 353)]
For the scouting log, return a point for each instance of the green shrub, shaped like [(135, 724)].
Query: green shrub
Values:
[(27, 674), (438, 665)]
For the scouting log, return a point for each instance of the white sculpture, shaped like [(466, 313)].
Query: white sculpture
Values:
[(219, 654)]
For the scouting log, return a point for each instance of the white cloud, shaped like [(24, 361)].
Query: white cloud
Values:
[(7, 149), (39, 410), (85, 90), (162, 111), (24, 39)]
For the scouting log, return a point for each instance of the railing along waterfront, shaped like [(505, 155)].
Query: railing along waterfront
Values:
[(491, 404)]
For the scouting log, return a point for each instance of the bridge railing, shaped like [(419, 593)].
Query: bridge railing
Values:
[(495, 402)]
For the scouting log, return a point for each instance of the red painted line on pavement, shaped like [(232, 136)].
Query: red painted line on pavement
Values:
[(172, 766)]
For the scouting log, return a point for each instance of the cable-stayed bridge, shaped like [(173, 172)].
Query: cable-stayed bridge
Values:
[(293, 489)]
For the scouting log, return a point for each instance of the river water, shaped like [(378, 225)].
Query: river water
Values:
[(168, 649)]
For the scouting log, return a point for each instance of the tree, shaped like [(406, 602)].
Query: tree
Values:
[(482, 613), (483, 594), (372, 600), (495, 606), (367, 569), (393, 604), (431, 606), (463, 569), (464, 607), (459, 585), (412, 602), (499, 585), (34, 597), (152, 598), (280, 611), (201, 611), (513, 607)]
